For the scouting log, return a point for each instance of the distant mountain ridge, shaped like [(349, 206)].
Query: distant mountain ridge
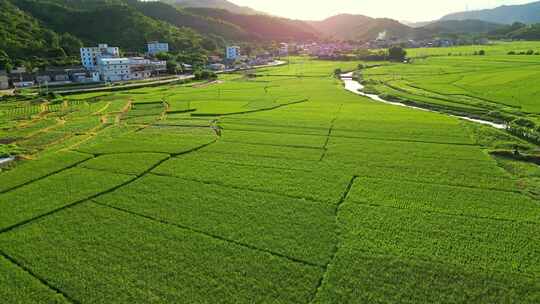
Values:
[(217, 4), (360, 27), (506, 14), (262, 27), (462, 26)]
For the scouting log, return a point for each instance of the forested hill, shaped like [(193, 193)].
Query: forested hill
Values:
[(462, 26), (22, 37), (263, 27), (107, 21), (506, 14), (219, 4), (203, 24), (359, 27), (519, 31)]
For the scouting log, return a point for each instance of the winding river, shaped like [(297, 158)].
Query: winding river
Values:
[(357, 88)]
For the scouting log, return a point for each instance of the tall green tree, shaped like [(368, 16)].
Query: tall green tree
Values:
[(397, 54)]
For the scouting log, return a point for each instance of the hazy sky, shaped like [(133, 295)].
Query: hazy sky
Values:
[(407, 10)]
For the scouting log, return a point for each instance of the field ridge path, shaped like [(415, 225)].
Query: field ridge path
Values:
[(128, 182), (214, 236), (338, 242), (43, 281)]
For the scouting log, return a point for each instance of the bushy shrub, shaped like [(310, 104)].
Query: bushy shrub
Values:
[(205, 75)]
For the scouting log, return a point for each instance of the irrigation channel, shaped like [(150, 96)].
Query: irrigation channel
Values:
[(356, 87)]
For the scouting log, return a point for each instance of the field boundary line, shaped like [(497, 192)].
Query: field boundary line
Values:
[(251, 111), (126, 183), (234, 122), (329, 134), (310, 200), (439, 262), (265, 156), (37, 277), (49, 174), (251, 165), (425, 211), (337, 244), (404, 140), (314, 161), (277, 132), (98, 112), (214, 236), (440, 184), (107, 171), (273, 145)]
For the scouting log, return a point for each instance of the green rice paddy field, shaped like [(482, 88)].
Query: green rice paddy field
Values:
[(456, 79), (283, 188)]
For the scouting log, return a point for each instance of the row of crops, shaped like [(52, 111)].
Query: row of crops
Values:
[(282, 189)]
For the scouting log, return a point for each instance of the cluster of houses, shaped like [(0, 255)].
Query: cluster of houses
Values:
[(426, 43), (322, 49), (105, 63), (235, 60), (99, 64)]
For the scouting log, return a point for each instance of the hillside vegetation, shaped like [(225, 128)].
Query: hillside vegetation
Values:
[(506, 14), (182, 18), (263, 27), (217, 4), (462, 26), (115, 23), (359, 27), (23, 37)]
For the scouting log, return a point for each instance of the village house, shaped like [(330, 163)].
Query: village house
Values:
[(4, 80)]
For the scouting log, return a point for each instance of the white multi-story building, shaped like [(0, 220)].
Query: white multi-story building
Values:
[(123, 69), (155, 47), (114, 69), (233, 52), (91, 55), (283, 49)]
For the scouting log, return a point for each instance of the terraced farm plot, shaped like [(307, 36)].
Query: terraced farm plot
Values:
[(37, 169), (19, 286), (315, 186), (238, 215), (153, 262), (283, 188), (457, 240), (446, 199), (53, 193)]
